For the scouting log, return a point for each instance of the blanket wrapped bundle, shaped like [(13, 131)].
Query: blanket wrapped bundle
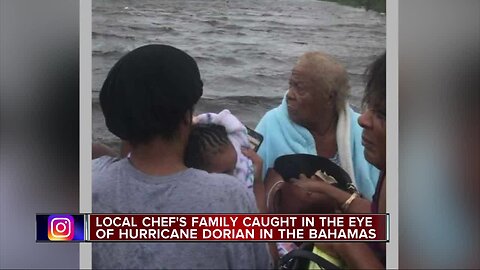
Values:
[(237, 133)]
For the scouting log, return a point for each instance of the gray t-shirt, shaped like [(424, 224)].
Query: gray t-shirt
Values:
[(118, 187)]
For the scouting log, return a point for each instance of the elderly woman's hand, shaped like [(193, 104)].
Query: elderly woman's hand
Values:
[(312, 184), (194, 119), (315, 185)]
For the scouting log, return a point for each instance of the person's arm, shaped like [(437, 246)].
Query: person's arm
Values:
[(357, 205), (259, 191), (263, 149), (258, 186), (100, 150)]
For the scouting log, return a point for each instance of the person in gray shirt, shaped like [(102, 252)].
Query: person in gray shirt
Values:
[(148, 99)]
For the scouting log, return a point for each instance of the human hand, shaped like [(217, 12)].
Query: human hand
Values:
[(194, 119), (313, 184), (257, 162)]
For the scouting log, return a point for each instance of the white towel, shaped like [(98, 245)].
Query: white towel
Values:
[(237, 133), (281, 136), (343, 142)]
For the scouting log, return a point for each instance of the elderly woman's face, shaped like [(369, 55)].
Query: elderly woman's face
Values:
[(305, 99)]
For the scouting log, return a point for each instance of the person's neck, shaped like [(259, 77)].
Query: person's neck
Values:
[(159, 157), (325, 127)]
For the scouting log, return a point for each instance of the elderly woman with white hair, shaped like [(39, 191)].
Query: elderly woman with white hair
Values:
[(315, 118)]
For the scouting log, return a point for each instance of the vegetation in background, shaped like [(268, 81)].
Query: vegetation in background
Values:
[(377, 5)]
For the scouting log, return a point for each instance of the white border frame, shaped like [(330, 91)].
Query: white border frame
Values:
[(392, 131), (85, 25)]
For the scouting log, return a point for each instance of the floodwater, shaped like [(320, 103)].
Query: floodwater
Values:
[(245, 49)]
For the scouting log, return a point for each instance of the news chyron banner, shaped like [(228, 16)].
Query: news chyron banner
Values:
[(212, 227)]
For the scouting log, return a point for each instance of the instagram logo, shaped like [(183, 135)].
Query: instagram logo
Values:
[(60, 227)]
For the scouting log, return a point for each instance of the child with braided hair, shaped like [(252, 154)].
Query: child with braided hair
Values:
[(209, 149), (218, 143)]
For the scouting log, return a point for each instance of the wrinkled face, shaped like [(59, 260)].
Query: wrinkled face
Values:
[(223, 161), (305, 99), (373, 123)]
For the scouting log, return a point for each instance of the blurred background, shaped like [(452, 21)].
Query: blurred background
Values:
[(439, 140), (39, 81)]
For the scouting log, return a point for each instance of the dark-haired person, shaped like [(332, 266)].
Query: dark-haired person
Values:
[(148, 99), (219, 143), (373, 122), (209, 149), (237, 135), (245, 164)]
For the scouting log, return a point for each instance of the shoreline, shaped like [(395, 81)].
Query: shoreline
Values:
[(375, 5)]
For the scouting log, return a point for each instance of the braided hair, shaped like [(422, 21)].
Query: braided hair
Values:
[(205, 141)]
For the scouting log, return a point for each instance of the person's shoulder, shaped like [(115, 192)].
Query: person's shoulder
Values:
[(103, 163), (234, 196), (104, 172), (105, 179), (225, 187), (272, 113), (220, 180), (267, 119), (229, 181)]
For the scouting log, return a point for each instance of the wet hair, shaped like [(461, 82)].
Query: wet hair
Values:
[(328, 73), (149, 92), (375, 77), (205, 141)]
